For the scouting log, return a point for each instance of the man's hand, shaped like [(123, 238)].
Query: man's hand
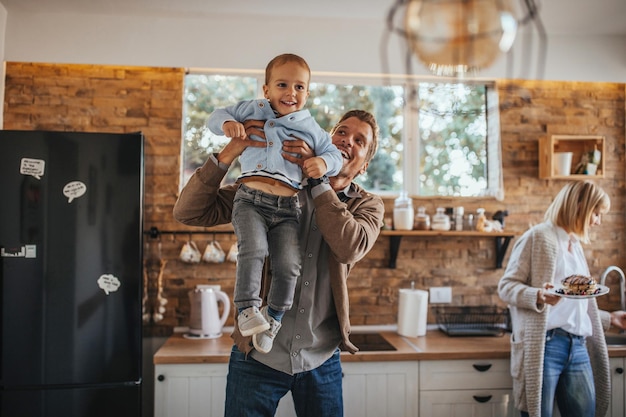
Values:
[(298, 151), (254, 127), (239, 143)]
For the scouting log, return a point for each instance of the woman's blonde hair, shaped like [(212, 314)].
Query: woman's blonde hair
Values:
[(574, 205)]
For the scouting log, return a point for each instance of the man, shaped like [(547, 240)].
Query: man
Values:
[(339, 225)]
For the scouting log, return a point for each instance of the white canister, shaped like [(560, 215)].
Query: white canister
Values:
[(563, 163)]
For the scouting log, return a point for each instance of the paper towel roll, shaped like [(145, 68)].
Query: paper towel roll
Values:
[(412, 312)]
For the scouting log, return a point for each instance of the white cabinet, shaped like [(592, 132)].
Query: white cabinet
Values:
[(479, 388), (370, 389), (618, 388), (375, 389), (190, 390), (197, 390)]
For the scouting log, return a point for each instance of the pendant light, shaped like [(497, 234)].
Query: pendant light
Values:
[(458, 38)]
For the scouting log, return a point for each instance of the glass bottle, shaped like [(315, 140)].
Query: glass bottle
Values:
[(450, 213), (441, 221), (458, 218), (403, 212), (469, 222), (481, 220), (422, 220)]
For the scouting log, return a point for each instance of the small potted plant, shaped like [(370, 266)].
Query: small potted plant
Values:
[(589, 162)]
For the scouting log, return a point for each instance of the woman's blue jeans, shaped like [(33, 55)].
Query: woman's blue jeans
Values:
[(567, 376), (254, 390)]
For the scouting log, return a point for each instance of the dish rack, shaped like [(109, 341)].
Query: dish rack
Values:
[(473, 321)]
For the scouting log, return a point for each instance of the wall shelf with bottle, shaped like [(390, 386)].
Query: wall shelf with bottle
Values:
[(502, 240), (571, 157)]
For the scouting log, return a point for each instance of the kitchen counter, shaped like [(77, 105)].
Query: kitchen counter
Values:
[(434, 346)]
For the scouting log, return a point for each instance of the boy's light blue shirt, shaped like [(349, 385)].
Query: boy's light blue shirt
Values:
[(268, 161)]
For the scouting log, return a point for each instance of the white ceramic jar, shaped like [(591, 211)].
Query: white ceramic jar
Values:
[(440, 221)]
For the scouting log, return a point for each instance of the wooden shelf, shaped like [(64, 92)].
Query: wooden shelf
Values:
[(154, 232), (578, 145), (502, 240)]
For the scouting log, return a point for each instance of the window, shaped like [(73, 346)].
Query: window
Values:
[(436, 138), (204, 93)]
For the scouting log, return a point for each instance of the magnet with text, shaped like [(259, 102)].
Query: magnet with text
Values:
[(108, 283), (74, 190), (33, 167)]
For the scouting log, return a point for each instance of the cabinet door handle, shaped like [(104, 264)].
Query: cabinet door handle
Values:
[(482, 398), (161, 378), (619, 370), (482, 368)]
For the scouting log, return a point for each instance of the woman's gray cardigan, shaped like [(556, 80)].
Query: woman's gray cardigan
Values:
[(531, 264)]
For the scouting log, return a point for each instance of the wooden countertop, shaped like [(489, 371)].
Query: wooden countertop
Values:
[(434, 346)]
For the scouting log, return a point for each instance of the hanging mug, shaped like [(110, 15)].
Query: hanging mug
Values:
[(213, 253), (190, 253), (232, 253)]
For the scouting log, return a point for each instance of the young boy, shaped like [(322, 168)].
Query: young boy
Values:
[(266, 209)]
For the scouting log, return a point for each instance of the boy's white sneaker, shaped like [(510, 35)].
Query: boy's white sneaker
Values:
[(251, 321), (264, 341)]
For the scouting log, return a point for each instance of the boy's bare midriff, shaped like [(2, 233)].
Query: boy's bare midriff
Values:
[(270, 186)]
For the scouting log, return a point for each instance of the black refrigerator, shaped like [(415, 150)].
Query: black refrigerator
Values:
[(71, 208)]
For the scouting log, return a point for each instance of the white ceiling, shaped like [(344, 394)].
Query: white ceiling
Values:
[(593, 17)]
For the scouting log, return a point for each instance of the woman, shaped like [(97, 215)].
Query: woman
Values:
[(558, 351)]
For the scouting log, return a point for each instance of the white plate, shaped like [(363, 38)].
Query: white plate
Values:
[(603, 291)]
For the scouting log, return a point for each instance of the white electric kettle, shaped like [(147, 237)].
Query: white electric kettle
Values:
[(205, 321)]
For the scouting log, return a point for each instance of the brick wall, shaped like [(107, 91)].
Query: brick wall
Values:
[(129, 99)]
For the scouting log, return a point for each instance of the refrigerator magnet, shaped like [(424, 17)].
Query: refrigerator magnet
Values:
[(74, 190), (32, 167), (108, 283)]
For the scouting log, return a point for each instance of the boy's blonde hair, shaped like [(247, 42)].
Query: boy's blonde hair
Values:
[(283, 59), (574, 205)]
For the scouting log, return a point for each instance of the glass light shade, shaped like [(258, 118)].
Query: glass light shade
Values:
[(457, 37)]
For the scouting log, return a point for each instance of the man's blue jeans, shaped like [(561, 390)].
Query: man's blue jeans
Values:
[(254, 390), (567, 376)]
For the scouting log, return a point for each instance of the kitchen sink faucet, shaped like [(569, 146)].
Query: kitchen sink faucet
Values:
[(622, 283)]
